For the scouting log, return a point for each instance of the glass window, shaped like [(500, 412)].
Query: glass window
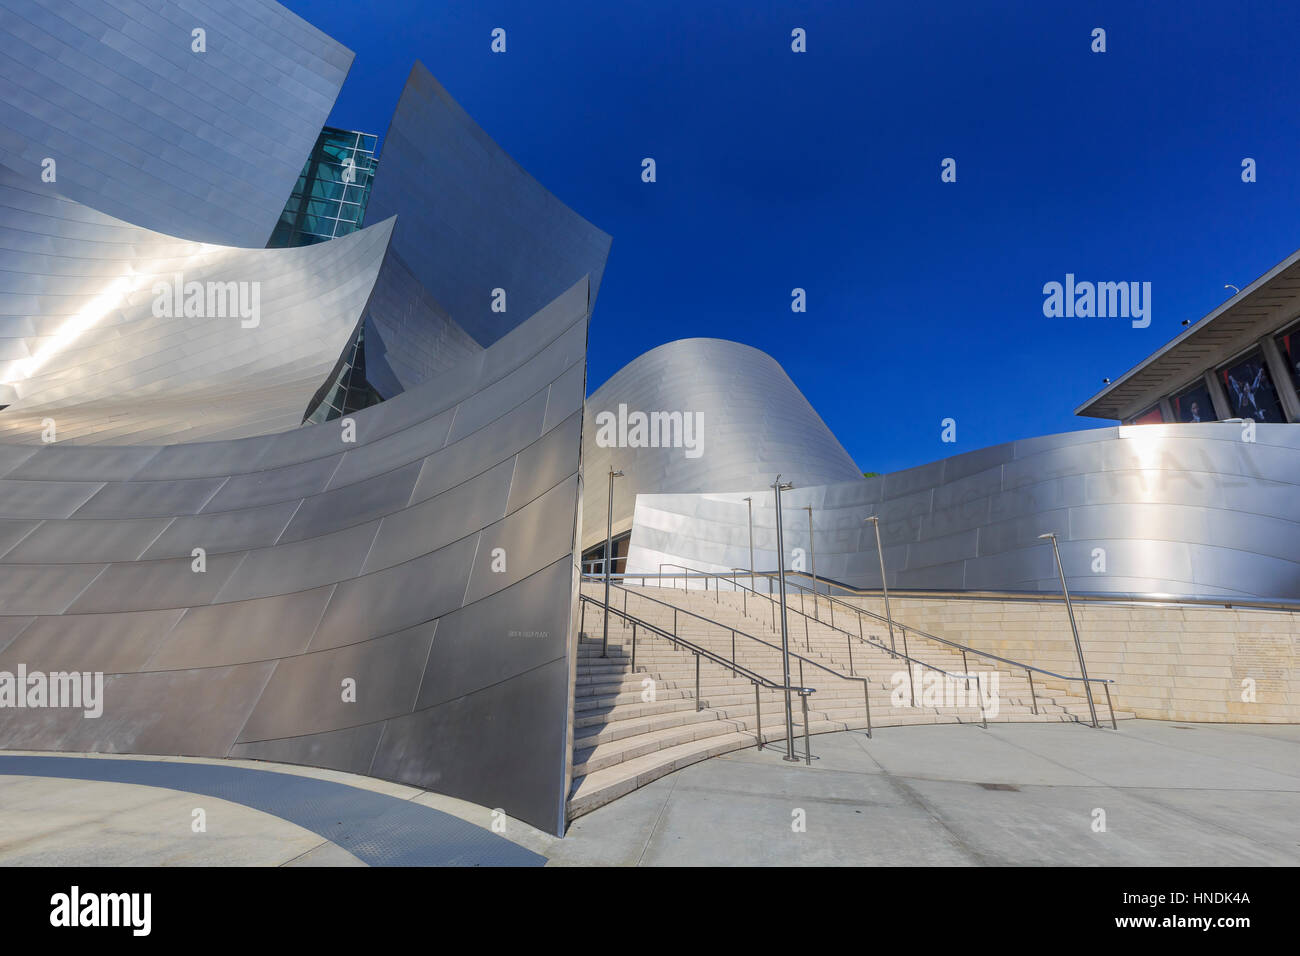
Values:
[(1250, 389), (1152, 416), (1193, 405), (1288, 343)]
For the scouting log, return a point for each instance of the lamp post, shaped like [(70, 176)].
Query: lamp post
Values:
[(1069, 606), (777, 488), (884, 586), (750, 502), (812, 552), (609, 559)]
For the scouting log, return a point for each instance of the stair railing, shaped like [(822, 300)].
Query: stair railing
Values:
[(967, 678), (737, 669), (964, 649)]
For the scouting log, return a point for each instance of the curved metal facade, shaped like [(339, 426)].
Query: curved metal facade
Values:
[(82, 343), (469, 220), (202, 145), (756, 423), (1166, 509), (430, 562)]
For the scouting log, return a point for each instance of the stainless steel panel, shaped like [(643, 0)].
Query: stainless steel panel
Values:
[(144, 585), (1181, 509), (756, 423), (352, 504), (112, 643), (150, 132), (439, 521), (82, 347), (241, 632), (306, 692), (300, 565), (223, 531), (351, 750), (87, 541), (532, 538), (427, 747), (471, 220)]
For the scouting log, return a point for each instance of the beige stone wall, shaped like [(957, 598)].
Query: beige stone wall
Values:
[(1169, 663)]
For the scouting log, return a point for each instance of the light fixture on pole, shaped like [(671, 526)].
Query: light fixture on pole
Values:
[(777, 488), (884, 586), (609, 559), (812, 552), (1083, 668), (750, 502)]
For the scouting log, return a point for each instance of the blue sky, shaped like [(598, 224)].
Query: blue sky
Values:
[(822, 170)]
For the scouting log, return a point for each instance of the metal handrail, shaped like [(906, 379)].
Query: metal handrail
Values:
[(733, 630), (829, 670), (943, 640), (802, 659), (1094, 597), (1029, 669), (753, 677)]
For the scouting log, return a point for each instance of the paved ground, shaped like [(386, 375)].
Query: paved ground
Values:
[(1028, 794), (1018, 794), (58, 810)]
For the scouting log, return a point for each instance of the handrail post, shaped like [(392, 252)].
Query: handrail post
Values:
[(866, 699), (812, 551), (758, 718), (697, 683), (777, 488), (750, 502), (1069, 606), (1113, 725), (848, 640), (965, 668), (884, 586), (807, 745), (733, 652), (908, 657), (979, 692), (634, 647), (609, 563), (582, 620), (1032, 696)]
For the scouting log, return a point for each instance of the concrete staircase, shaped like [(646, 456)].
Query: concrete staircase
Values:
[(634, 727)]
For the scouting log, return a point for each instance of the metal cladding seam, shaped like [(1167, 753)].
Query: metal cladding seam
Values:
[(202, 145), (756, 423), (431, 561), (1179, 510)]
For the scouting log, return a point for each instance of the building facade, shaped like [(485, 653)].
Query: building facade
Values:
[(386, 588)]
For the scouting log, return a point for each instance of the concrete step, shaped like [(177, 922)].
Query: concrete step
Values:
[(622, 742)]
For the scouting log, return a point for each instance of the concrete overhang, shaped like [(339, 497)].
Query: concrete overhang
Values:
[(1264, 306)]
